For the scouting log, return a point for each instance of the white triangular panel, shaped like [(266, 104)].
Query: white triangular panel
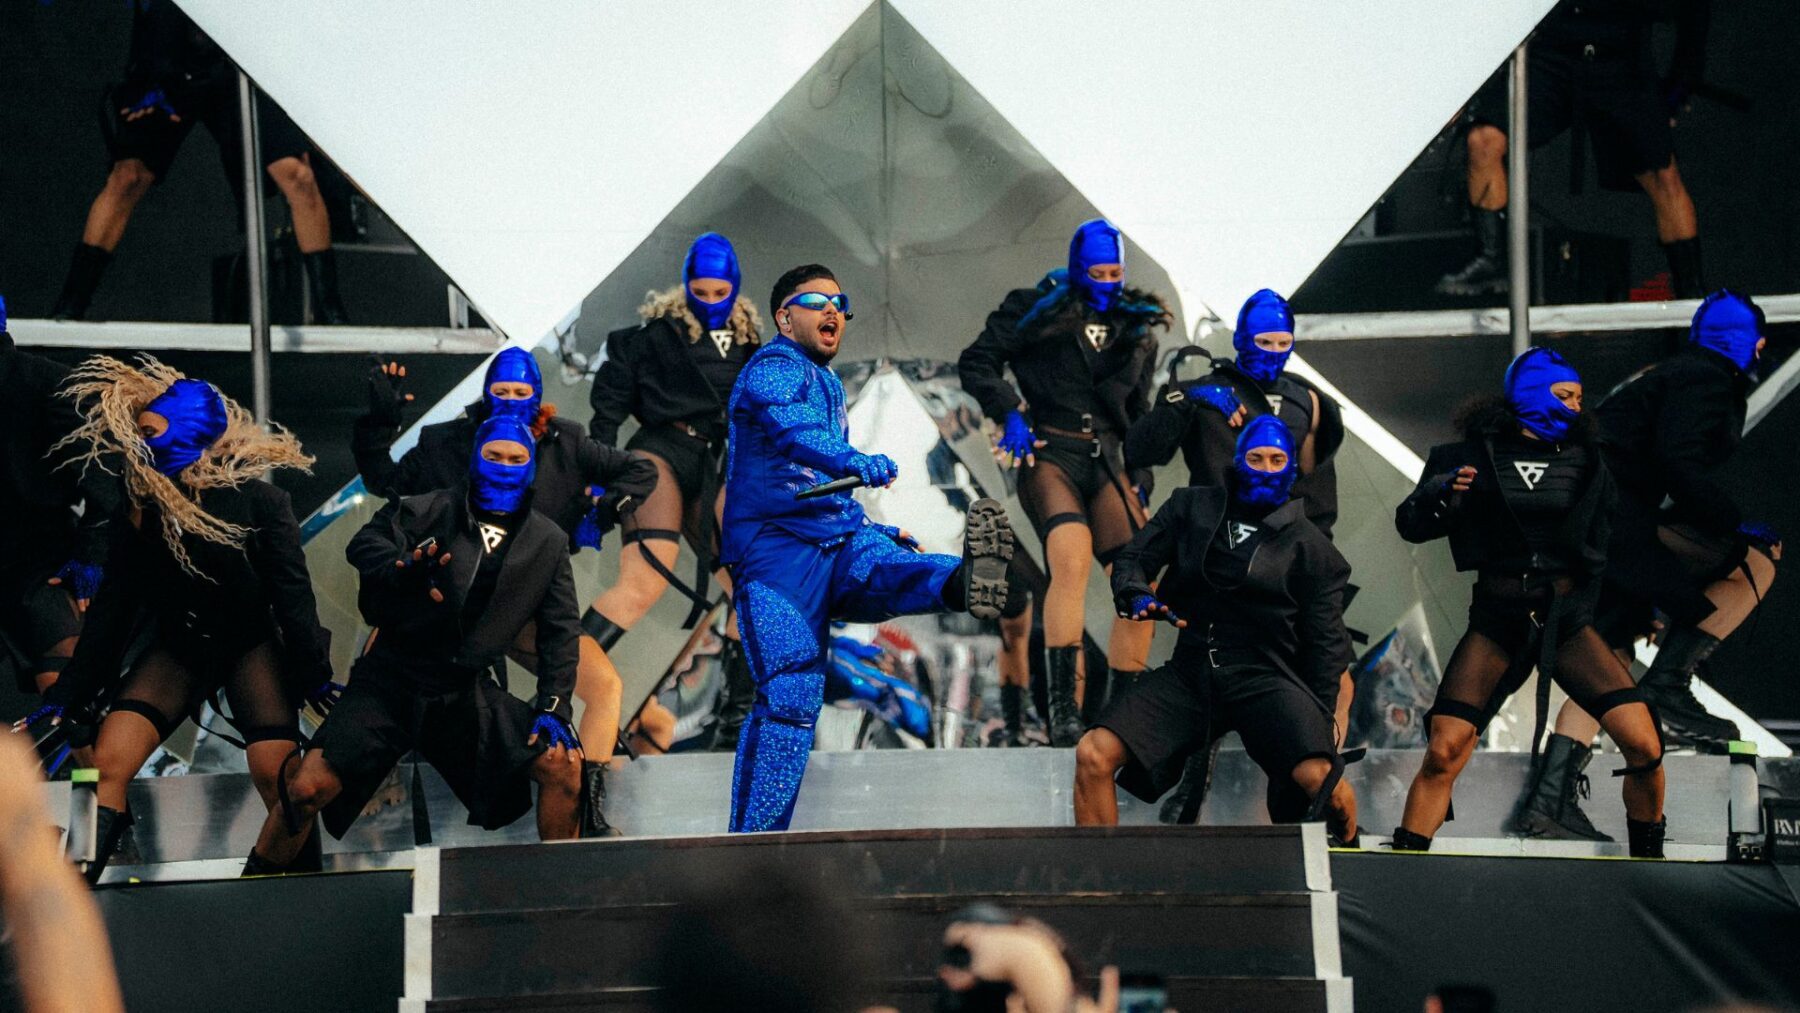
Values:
[(1236, 141), (527, 147)]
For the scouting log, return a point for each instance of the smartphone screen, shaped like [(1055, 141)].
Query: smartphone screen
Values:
[(1142, 993)]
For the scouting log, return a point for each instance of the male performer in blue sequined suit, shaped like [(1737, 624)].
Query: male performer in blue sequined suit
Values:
[(796, 564)]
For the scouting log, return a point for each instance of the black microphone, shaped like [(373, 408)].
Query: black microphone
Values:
[(827, 488)]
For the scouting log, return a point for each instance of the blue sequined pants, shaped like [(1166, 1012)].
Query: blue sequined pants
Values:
[(787, 593)]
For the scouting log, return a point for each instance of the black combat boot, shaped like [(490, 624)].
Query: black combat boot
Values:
[(1012, 707), (593, 798), (322, 286), (1406, 840), (1684, 268), (1485, 274), (1668, 689), (736, 700), (1646, 839), (85, 269), (110, 826), (1065, 713), (1551, 808)]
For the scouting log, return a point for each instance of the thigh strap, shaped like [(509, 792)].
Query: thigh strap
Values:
[(288, 818), (164, 724), (1606, 702), (1316, 810), (695, 594), (1456, 709), (1057, 520)]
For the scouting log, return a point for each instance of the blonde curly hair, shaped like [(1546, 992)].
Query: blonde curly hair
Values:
[(110, 395), (745, 322)]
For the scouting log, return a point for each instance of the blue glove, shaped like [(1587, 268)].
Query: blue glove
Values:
[(1759, 532), (554, 731), (1216, 396), (1146, 608), (854, 647), (590, 532), (50, 712), (900, 538), (325, 696), (80, 579), (876, 470), (156, 99), (1018, 440)]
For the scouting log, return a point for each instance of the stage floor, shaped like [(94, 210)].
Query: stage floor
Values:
[(202, 826)]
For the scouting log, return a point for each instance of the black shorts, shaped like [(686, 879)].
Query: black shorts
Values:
[(699, 476), (474, 735), (155, 139), (1174, 712), (39, 618), (1655, 577), (696, 467), (1094, 468), (1615, 98), (1512, 622)]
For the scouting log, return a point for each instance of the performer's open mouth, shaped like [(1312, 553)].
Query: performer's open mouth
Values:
[(829, 329)]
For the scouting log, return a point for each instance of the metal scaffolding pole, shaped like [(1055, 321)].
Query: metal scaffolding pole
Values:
[(256, 254), (1518, 203)]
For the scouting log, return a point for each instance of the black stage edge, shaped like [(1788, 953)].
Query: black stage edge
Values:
[(1543, 933), (1570, 934), (304, 943)]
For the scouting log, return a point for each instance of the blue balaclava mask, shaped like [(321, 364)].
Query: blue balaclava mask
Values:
[(513, 365), (1263, 313), (1528, 382), (197, 418), (1731, 325), (1263, 488), (1096, 242), (711, 256), (501, 488)]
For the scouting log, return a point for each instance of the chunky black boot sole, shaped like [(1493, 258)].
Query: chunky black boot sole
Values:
[(987, 552)]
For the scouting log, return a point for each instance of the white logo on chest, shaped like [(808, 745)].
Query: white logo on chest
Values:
[(1274, 404), (1097, 335), (722, 341), (1531, 472), (1237, 533), (491, 536)]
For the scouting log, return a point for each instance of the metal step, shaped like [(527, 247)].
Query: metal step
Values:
[(537, 952), (1010, 863), (1238, 994)]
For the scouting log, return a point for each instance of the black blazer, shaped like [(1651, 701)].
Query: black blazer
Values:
[(247, 595), (1292, 596), (1207, 442), (535, 584), (1484, 534), (648, 374), (1047, 353), (1668, 430), (567, 463), (39, 529)]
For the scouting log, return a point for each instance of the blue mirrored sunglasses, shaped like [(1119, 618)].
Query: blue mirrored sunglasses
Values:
[(817, 301)]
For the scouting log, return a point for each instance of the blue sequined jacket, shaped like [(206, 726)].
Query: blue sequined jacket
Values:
[(789, 431)]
